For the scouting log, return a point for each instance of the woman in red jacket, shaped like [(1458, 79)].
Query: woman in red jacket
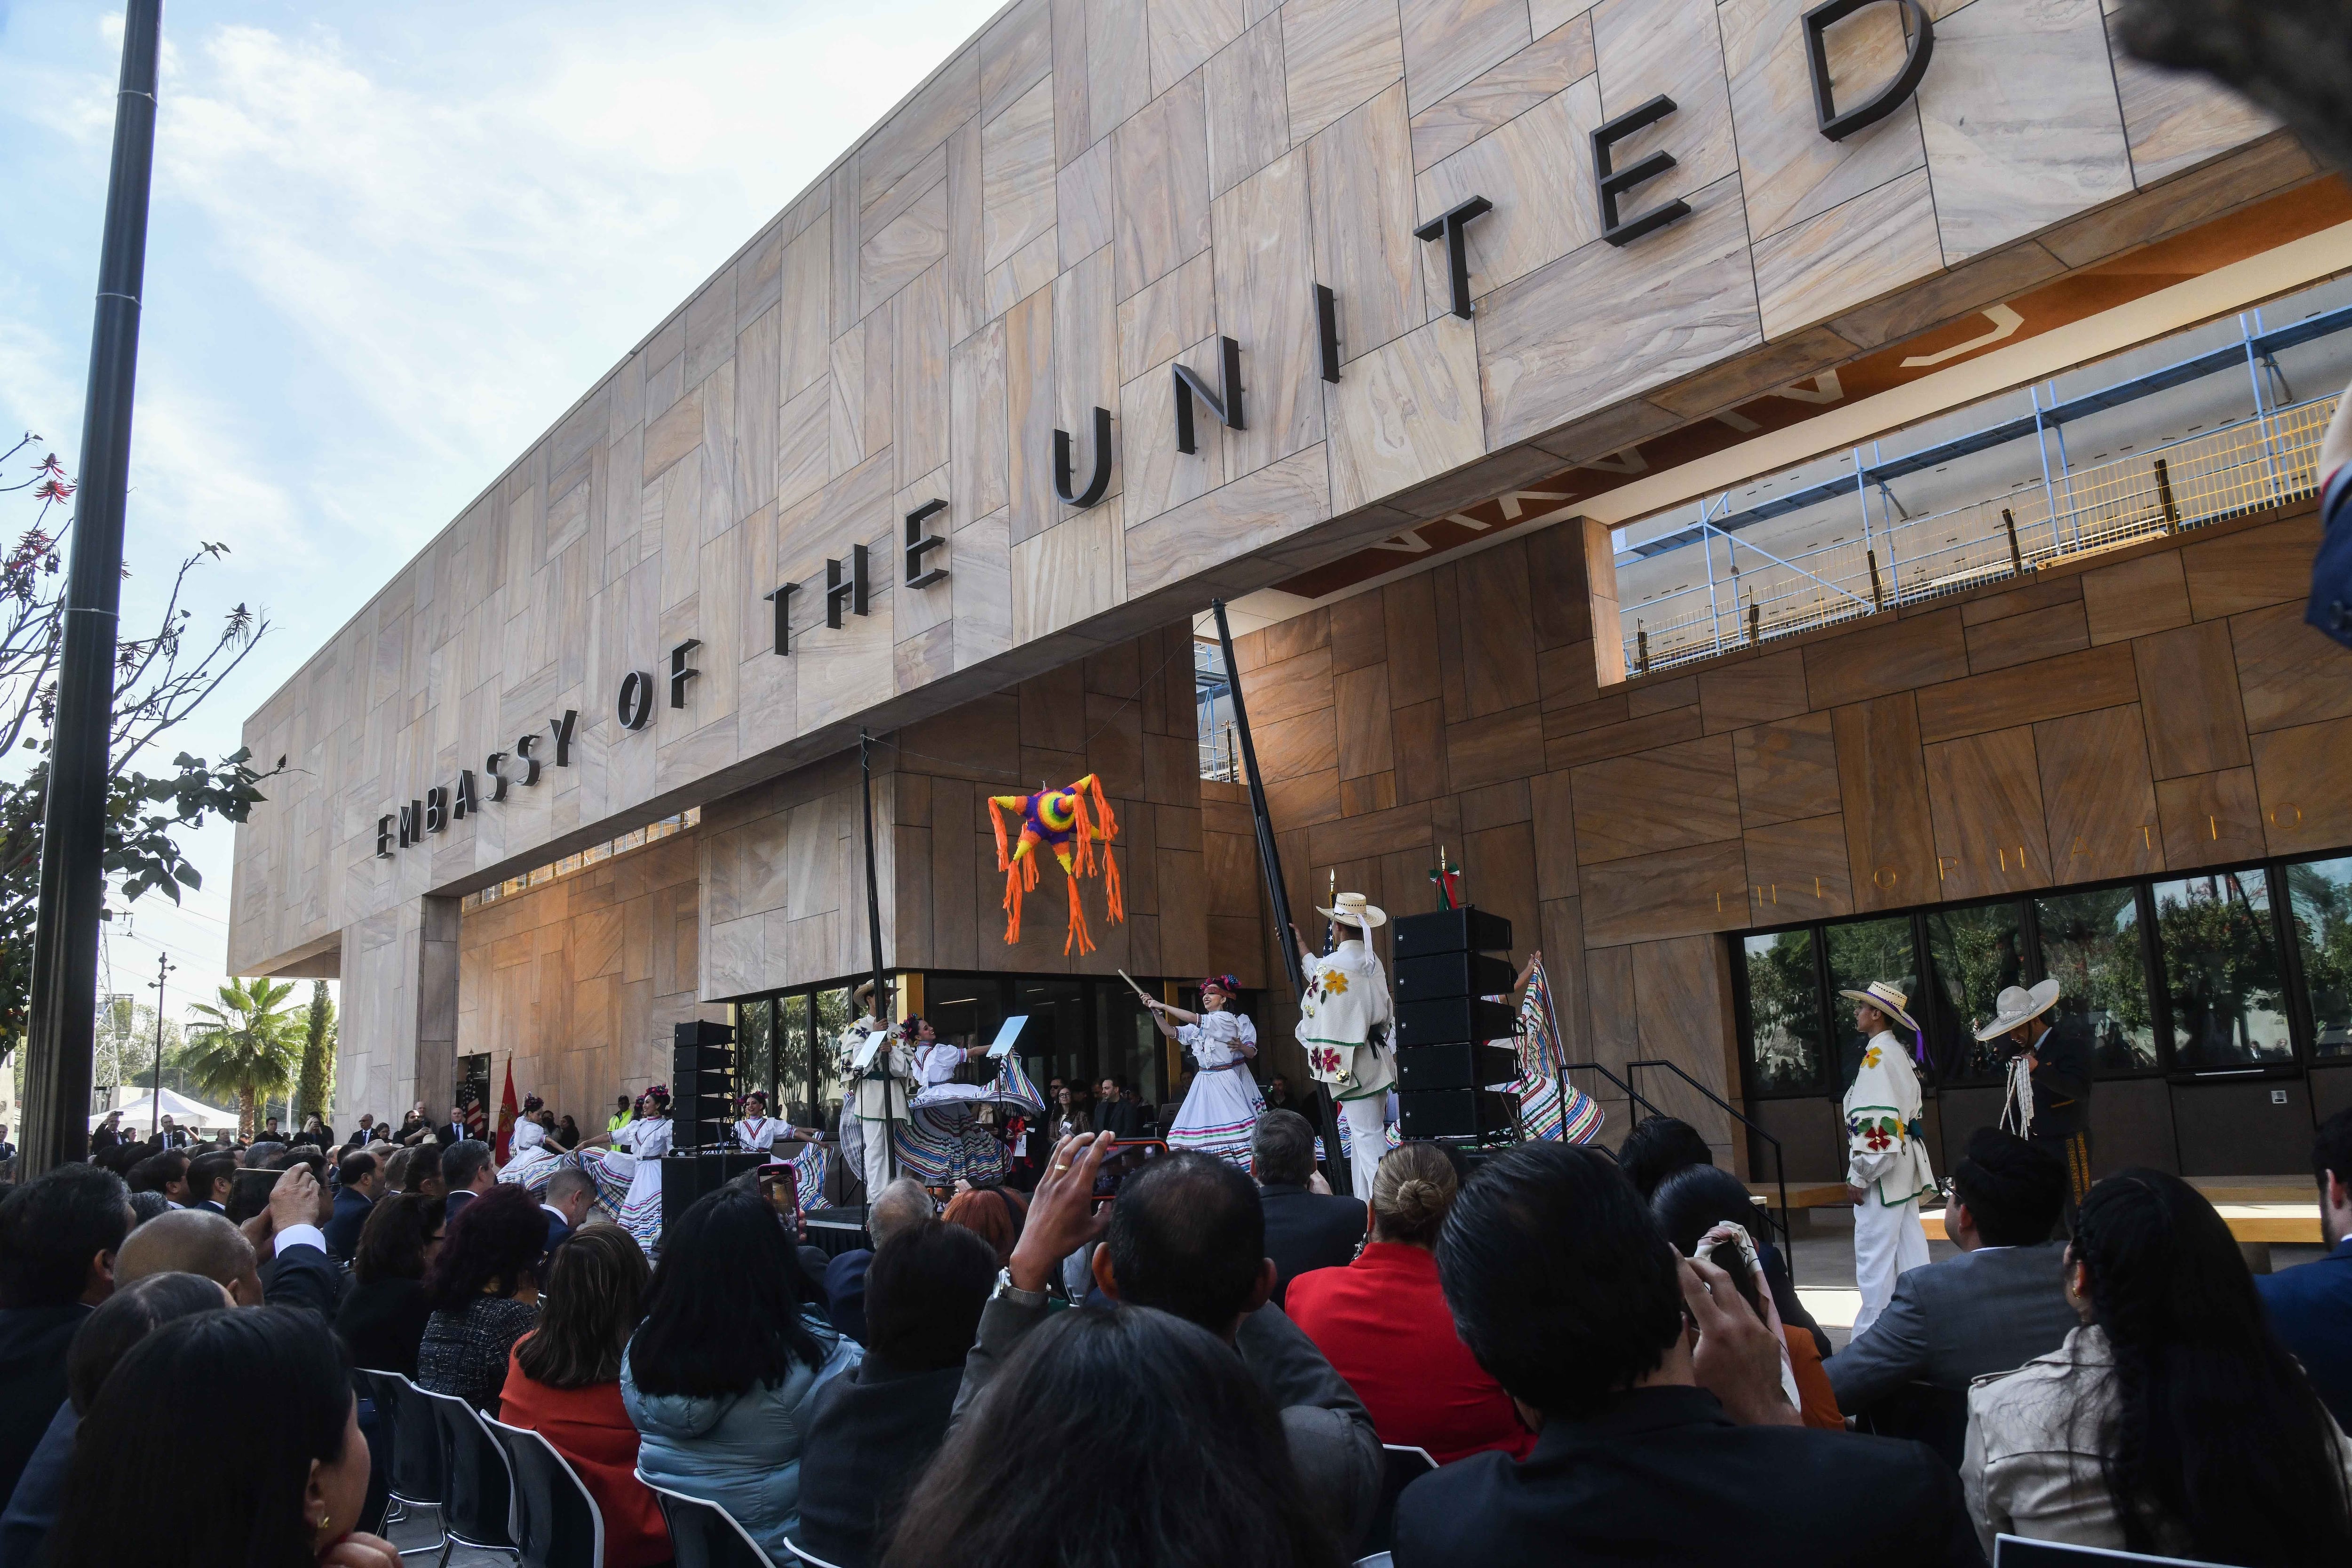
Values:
[(1382, 1322), (564, 1382)]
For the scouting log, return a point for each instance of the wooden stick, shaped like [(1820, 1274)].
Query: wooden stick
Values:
[(1138, 990)]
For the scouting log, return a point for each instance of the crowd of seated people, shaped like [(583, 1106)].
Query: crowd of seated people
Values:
[(1602, 1354)]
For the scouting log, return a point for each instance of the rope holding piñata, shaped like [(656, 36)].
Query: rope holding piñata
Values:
[(1059, 819)]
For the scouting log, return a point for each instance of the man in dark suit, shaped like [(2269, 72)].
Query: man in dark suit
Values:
[(359, 1183), (569, 1192), (58, 1237), (1657, 1443), (2310, 1305), (1303, 1229), (1995, 1307), (211, 1178), (900, 1205), (452, 1131), (1115, 1113), (466, 1172)]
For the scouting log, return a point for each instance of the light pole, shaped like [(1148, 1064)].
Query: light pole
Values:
[(164, 966), (73, 813)]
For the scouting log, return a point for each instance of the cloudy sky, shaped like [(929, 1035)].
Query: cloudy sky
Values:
[(389, 245)]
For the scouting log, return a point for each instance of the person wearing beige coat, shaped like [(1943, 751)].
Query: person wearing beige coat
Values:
[(2220, 1445)]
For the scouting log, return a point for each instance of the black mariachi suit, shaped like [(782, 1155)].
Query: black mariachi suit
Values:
[(2062, 1099)]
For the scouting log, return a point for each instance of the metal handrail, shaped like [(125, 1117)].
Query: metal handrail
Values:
[(1631, 1094), (1779, 1163)]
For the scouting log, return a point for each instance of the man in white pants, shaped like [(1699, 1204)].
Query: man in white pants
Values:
[(1343, 1023), (1886, 1152), (875, 1070)]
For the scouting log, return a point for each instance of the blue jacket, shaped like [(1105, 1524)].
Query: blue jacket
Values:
[(351, 1217), (2310, 1306), (743, 1451)]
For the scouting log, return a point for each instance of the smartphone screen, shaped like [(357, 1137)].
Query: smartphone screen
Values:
[(1124, 1158)]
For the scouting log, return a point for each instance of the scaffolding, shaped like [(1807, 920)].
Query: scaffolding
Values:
[(2263, 462)]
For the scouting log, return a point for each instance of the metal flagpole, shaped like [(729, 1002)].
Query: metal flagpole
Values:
[(57, 1063), (1270, 858), (874, 939)]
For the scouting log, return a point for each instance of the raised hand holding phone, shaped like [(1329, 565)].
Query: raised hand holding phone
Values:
[(1062, 1213)]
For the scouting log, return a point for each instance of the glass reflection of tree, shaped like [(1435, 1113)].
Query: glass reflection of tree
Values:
[(792, 1049), (831, 1018), (1977, 953), (2220, 969), (1784, 1008), (2091, 946), (1861, 951), (755, 1061), (2320, 895)]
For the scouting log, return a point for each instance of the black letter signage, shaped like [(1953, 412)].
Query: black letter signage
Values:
[(1225, 403), (782, 599), (383, 837), (1614, 182), (463, 803), (524, 745), (1451, 224), (561, 730), (680, 672), (921, 542), (411, 823), (1886, 99), (853, 588), (494, 765), (1064, 478), (636, 699)]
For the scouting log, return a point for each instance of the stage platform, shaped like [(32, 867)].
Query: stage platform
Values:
[(835, 1231), (2259, 1210)]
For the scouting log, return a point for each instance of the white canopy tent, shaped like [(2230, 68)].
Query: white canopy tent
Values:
[(184, 1112)]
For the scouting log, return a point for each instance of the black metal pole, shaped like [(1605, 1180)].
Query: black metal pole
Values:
[(1269, 857), (73, 822), (1270, 861), (164, 966), (874, 940)]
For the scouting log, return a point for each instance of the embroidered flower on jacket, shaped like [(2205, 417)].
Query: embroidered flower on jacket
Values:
[(1335, 983)]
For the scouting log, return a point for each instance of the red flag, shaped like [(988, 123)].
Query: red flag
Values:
[(507, 1112)]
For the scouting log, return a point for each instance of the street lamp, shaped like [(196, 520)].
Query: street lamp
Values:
[(164, 966)]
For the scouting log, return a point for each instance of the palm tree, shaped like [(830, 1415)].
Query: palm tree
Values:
[(248, 1046)]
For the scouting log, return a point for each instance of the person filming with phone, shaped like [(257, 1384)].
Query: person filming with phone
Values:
[(1185, 1233)]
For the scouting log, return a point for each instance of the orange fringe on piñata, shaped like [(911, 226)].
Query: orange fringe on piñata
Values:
[(1059, 819)]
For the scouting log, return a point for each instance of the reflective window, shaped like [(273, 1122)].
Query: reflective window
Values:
[(755, 1063), (1975, 954), (966, 1012), (1785, 1050), (792, 1049), (831, 1016), (2222, 971), (2091, 946), (2319, 896), (1859, 952)]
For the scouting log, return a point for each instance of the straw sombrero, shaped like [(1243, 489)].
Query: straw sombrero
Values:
[(1353, 909), (1888, 1000), (2017, 1005)]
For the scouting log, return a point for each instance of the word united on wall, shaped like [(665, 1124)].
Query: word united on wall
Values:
[(848, 584)]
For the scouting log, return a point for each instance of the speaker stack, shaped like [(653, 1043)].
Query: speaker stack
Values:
[(1446, 967), (702, 1111)]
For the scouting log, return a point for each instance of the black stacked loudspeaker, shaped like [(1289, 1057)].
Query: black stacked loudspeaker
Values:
[(1446, 965), (702, 1114)]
